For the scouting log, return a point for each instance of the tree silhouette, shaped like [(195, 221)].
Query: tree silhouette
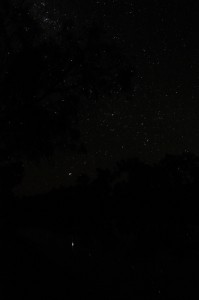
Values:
[(131, 223)]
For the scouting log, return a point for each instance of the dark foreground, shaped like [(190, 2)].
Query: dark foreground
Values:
[(129, 240)]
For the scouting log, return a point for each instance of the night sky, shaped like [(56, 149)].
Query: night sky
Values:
[(158, 116), (99, 148)]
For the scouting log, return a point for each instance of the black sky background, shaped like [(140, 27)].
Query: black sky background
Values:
[(99, 148), (158, 117)]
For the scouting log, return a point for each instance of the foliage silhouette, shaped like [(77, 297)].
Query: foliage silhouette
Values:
[(136, 221)]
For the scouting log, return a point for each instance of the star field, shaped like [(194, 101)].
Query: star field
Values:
[(159, 115), (99, 149)]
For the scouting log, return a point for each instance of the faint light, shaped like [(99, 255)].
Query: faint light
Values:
[(73, 244), (46, 19), (69, 174)]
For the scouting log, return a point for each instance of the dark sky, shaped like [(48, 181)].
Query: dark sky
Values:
[(159, 116)]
